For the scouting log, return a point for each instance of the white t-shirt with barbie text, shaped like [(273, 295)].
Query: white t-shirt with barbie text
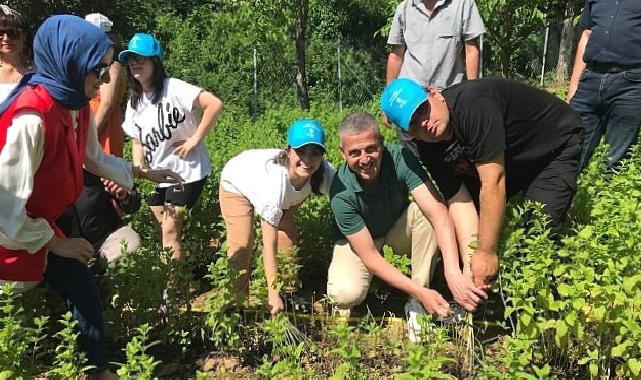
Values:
[(266, 184), (161, 127)]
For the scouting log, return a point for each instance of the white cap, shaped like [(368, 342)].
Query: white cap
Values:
[(100, 21)]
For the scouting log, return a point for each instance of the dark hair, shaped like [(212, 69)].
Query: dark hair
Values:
[(116, 38), (14, 20), (317, 178), (158, 82)]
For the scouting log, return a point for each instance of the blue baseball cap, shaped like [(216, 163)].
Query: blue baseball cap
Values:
[(400, 99), (306, 131), (142, 44)]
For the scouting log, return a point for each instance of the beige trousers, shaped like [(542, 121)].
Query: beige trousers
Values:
[(348, 279), (238, 214)]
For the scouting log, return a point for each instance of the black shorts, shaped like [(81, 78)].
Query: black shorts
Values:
[(172, 194)]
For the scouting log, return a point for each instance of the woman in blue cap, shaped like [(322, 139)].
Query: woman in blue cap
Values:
[(273, 183), (46, 136), (165, 133)]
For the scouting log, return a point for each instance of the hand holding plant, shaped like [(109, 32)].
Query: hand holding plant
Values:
[(275, 303), (485, 267), (464, 291), (433, 302)]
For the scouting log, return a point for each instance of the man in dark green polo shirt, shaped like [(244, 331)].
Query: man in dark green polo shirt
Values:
[(370, 200)]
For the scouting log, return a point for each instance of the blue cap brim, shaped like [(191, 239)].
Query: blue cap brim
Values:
[(405, 124), (308, 143), (122, 56)]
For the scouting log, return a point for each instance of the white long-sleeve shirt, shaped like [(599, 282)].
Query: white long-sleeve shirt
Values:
[(20, 160)]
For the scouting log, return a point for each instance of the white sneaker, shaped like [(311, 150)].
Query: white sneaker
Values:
[(412, 310), (456, 315), (344, 313)]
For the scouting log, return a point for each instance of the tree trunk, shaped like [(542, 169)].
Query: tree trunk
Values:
[(300, 27), (505, 53), (566, 46)]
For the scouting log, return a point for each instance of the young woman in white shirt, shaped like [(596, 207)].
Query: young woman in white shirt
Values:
[(165, 133), (273, 183)]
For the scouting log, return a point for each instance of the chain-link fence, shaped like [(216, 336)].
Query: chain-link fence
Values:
[(346, 72), (546, 57)]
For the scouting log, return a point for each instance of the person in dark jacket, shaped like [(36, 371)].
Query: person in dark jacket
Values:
[(96, 216)]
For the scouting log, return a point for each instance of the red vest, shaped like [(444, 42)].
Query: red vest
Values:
[(57, 182)]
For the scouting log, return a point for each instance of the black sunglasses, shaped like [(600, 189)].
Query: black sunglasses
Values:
[(12, 34), (101, 70)]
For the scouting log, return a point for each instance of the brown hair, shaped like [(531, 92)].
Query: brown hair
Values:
[(317, 178), (158, 82), (11, 19)]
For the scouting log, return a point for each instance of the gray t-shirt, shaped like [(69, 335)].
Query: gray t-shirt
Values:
[(434, 44)]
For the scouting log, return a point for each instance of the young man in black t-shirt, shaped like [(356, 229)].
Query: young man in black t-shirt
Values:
[(96, 217), (485, 140)]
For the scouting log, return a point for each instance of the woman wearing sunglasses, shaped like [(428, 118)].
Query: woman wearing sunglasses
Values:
[(45, 139), (165, 133), (273, 183), (15, 50)]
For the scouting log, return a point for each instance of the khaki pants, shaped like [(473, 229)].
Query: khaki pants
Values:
[(238, 214), (348, 279)]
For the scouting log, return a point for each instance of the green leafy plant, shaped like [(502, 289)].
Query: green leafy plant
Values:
[(347, 350), (19, 342), (222, 317), (69, 362), (139, 365), (288, 346)]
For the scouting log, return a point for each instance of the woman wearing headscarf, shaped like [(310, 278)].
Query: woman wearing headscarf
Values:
[(45, 138)]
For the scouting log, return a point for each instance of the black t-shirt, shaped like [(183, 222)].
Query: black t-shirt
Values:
[(489, 116), (93, 216)]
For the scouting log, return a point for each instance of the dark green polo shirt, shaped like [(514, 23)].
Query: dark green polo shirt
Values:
[(379, 207)]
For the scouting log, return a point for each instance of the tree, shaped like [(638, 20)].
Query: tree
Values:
[(509, 24), (567, 43), (301, 10)]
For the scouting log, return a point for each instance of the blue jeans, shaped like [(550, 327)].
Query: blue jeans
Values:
[(75, 283), (609, 105)]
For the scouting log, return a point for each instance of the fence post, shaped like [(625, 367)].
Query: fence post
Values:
[(545, 53), (340, 86), (255, 87), (481, 56)]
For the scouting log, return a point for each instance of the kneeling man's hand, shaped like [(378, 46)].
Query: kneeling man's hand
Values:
[(485, 267), (464, 291), (433, 302)]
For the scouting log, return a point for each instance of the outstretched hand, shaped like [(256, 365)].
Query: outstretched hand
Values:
[(185, 147), (114, 189), (162, 176)]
